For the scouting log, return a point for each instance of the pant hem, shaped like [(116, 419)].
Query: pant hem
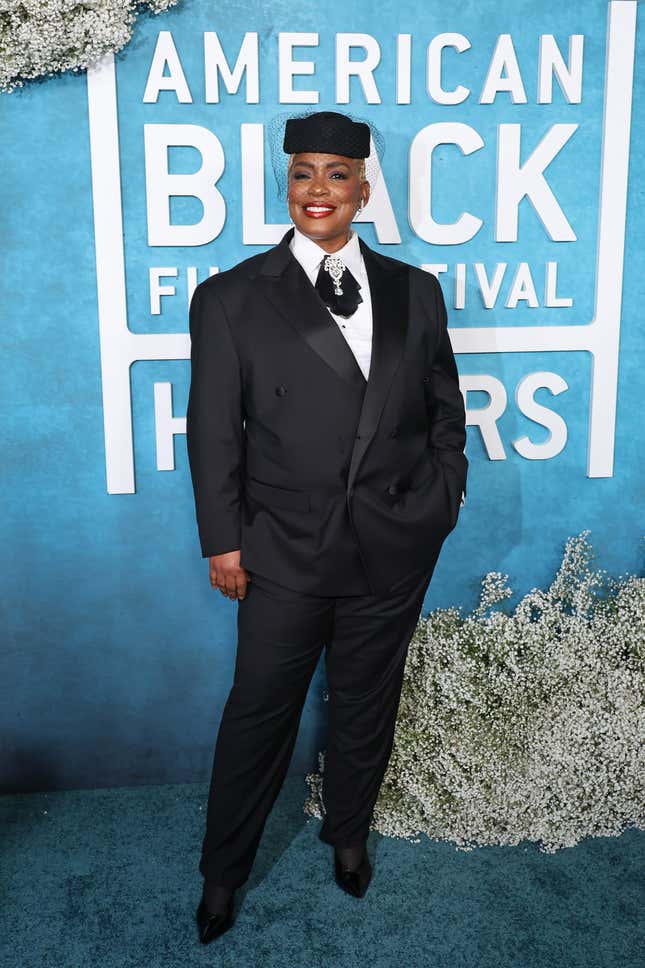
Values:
[(354, 842)]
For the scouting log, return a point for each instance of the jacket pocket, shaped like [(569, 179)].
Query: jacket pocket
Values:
[(274, 496)]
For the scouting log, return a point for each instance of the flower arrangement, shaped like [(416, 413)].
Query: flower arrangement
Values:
[(521, 725), (45, 37)]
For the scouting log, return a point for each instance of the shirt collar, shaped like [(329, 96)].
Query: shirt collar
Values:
[(309, 254)]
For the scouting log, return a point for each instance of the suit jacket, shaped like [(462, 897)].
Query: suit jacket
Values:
[(327, 482)]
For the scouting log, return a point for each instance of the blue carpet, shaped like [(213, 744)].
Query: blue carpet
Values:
[(109, 878)]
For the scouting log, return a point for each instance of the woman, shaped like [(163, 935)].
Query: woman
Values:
[(325, 434)]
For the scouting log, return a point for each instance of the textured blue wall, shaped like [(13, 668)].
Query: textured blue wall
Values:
[(117, 656)]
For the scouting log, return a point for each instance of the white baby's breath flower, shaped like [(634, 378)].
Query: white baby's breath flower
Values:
[(40, 38)]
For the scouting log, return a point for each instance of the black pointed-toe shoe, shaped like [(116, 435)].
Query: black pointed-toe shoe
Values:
[(212, 925), (354, 881)]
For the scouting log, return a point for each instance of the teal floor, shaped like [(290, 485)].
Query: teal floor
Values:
[(109, 878)]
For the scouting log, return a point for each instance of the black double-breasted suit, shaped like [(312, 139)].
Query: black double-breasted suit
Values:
[(339, 492), (316, 474)]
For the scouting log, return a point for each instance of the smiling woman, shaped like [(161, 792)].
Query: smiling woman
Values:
[(317, 343), (329, 190), (326, 190)]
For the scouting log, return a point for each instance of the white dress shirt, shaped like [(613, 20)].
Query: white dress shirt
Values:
[(357, 328)]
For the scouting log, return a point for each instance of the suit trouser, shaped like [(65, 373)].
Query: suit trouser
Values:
[(281, 633)]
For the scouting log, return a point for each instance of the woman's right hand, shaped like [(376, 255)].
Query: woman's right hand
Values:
[(227, 574)]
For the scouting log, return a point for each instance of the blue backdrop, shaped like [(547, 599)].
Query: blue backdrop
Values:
[(117, 655)]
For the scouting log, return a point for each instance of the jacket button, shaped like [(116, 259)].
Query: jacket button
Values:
[(394, 432), (392, 489), (426, 379), (280, 390)]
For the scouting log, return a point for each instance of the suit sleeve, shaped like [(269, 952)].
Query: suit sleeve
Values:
[(446, 411), (214, 424)]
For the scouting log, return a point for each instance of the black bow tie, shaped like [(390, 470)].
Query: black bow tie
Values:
[(337, 287)]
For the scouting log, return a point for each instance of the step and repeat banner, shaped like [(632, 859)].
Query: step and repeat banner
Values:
[(512, 170)]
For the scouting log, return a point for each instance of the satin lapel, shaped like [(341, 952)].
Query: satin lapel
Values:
[(289, 290), (390, 311), (292, 294)]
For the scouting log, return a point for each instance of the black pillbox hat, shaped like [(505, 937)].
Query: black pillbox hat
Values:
[(329, 132)]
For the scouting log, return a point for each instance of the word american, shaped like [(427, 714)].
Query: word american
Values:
[(504, 75)]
